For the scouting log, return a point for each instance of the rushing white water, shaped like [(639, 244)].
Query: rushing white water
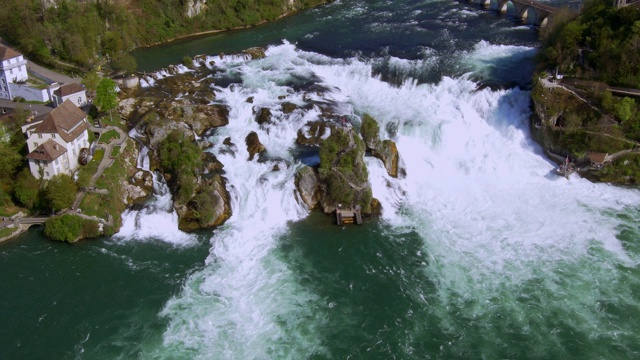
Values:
[(156, 221), (477, 190)]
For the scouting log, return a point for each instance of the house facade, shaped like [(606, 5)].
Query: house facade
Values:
[(73, 92), (55, 139), (13, 69)]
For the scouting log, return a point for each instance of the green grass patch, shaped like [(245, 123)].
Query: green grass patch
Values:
[(112, 121), (112, 178), (116, 151), (86, 172), (4, 232), (108, 136)]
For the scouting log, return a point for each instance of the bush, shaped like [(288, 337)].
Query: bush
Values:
[(64, 228), (188, 62), (370, 130), (61, 192), (26, 189)]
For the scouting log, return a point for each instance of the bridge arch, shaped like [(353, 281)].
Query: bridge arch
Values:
[(527, 11)]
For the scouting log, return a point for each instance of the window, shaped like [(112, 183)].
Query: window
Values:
[(39, 136), (35, 144), (57, 161), (53, 136), (46, 173)]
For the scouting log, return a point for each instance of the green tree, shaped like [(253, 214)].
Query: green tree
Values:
[(64, 228), (625, 108), (61, 192), (26, 189), (607, 100), (10, 160), (125, 63), (91, 80), (106, 95)]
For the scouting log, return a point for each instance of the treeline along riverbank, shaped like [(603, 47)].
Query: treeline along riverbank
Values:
[(92, 32)]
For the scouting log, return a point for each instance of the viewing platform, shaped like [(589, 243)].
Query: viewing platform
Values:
[(348, 216)]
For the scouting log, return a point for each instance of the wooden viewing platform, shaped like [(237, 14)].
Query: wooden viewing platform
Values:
[(349, 216)]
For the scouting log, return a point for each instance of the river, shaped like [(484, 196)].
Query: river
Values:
[(481, 250)]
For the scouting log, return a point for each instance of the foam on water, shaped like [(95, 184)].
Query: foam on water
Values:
[(496, 223), (156, 221)]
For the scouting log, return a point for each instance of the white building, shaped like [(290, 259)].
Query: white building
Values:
[(13, 69), (55, 140), (74, 92)]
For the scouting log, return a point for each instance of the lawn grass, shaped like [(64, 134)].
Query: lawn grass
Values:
[(115, 151), (108, 136), (4, 232), (86, 172)]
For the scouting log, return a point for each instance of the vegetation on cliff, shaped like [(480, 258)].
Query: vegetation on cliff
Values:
[(70, 228), (343, 171), (578, 113), (603, 43), (180, 157), (86, 32)]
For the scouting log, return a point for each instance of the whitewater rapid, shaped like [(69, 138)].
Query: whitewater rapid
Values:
[(478, 191)]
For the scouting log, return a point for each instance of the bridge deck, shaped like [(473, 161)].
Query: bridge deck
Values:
[(537, 5)]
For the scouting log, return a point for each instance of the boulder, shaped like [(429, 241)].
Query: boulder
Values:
[(210, 207), (307, 186), (388, 153), (288, 107), (254, 146), (263, 116), (204, 144), (204, 117), (210, 163)]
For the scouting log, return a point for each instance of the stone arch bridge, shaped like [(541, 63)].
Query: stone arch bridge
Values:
[(525, 10)]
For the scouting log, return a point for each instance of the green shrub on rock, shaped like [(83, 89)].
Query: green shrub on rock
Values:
[(66, 228), (370, 131)]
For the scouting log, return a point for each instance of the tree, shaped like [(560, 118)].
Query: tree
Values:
[(64, 228), (10, 160), (106, 95), (26, 189), (91, 80), (625, 108), (61, 192), (125, 63)]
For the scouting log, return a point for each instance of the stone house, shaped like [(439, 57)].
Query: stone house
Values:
[(55, 139), (13, 69), (73, 92)]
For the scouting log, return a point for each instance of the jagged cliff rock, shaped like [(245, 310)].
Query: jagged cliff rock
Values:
[(388, 153), (343, 174), (385, 150), (209, 207), (307, 186)]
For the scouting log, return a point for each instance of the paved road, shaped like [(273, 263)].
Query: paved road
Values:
[(50, 76), (41, 109)]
